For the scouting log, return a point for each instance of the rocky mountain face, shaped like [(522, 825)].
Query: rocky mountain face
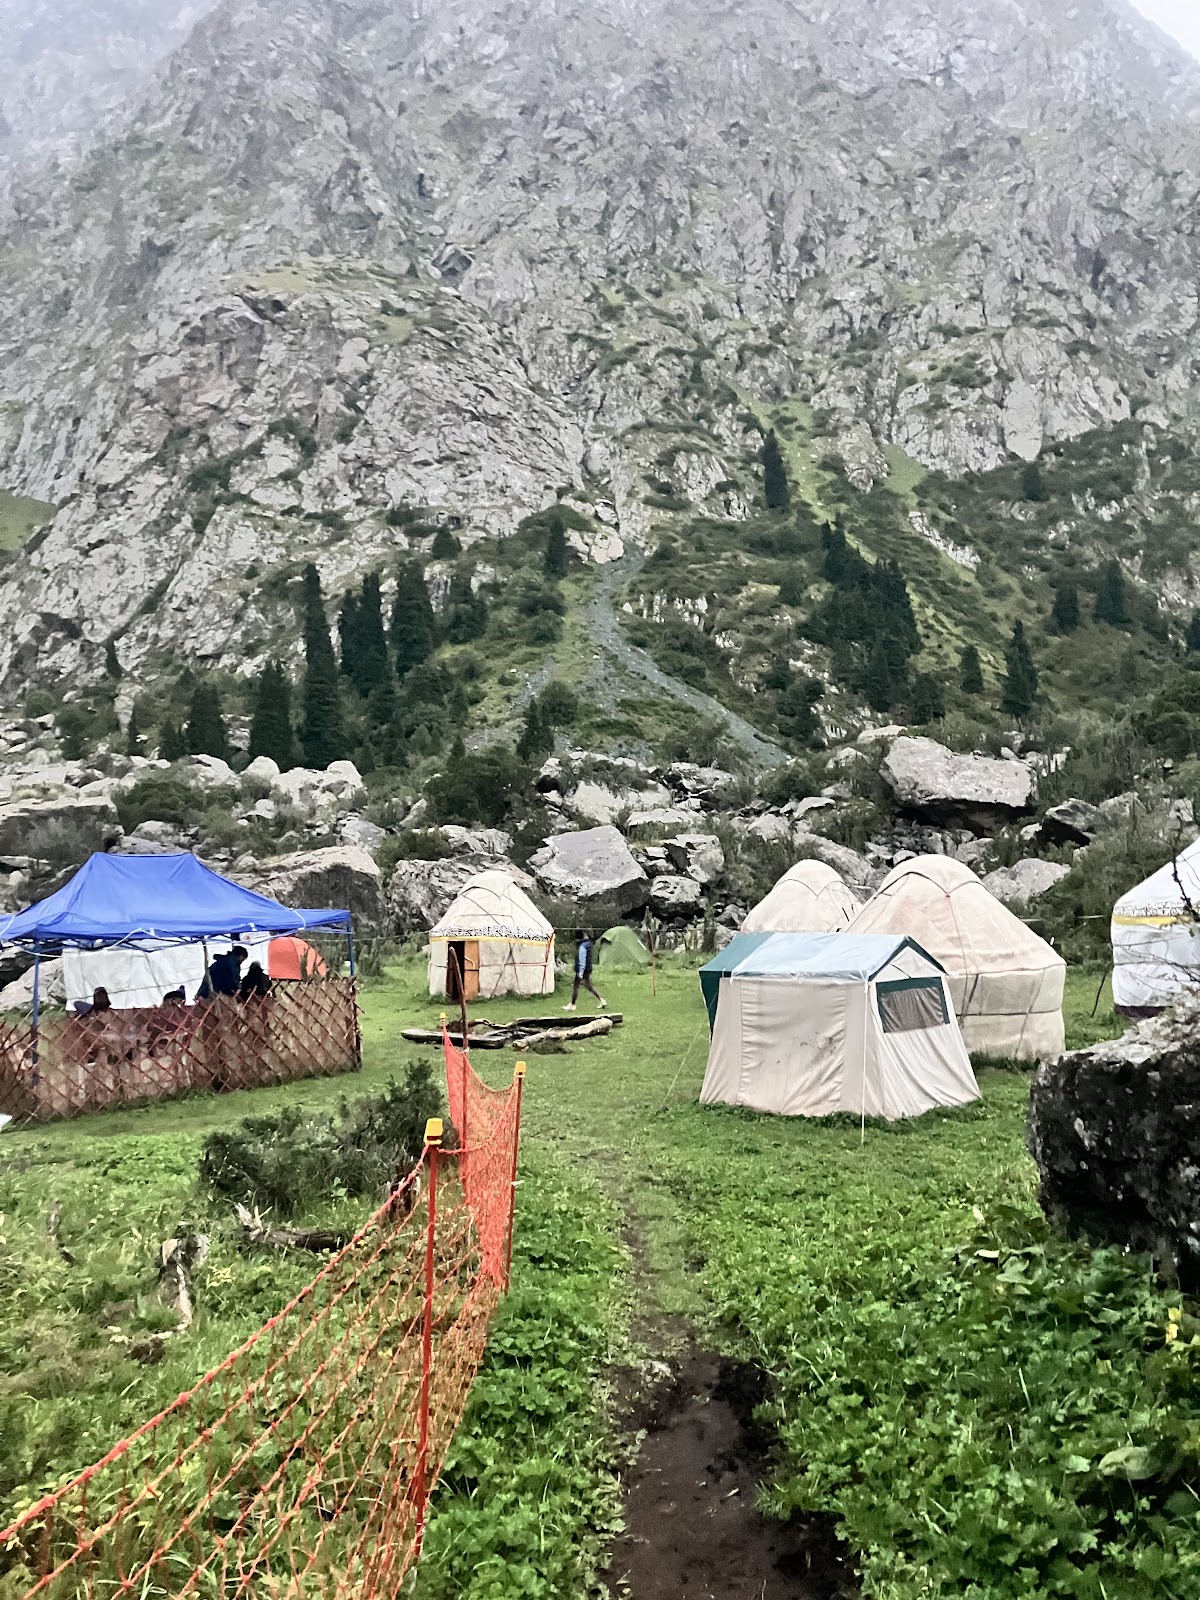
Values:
[(468, 256), (68, 66)]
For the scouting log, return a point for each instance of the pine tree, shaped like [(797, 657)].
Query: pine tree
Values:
[(775, 481), (133, 734), (348, 635), (895, 612), (1033, 485), (1192, 636), (537, 737), (204, 734), (972, 671), (414, 631), (1021, 678), (171, 743), (112, 664), (557, 555), (928, 698), (322, 736), (878, 685), (466, 612), (445, 546), (1064, 613), (1112, 605), (372, 639), (271, 732), (385, 724)]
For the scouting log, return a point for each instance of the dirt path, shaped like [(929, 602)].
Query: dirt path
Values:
[(611, 644)]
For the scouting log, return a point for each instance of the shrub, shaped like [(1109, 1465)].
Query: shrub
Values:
[(478, 786), (161, 797), (560, 704), (293, 1159)]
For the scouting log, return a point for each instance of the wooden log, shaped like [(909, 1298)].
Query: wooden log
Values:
[(321, 1240)]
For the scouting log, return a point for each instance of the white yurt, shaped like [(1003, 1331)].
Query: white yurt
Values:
[(497, 938), (809, 898), (1156, 936), (809, 1024), (1007, 982)]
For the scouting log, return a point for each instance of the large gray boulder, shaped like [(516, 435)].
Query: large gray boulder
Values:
[(67, 830), (708, 785), (592, 870), (1024, 881), (339, 877), (696, 855), (319, 796), (602, 803), (949, 790), (1115, 1132), (672, 896), (52, 991), (1072, 822)]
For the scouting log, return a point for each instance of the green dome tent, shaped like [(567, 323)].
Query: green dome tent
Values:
[(620, 950)]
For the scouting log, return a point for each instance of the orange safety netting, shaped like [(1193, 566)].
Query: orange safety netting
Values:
[(302, 1465), (74, 1064), (481, 1115)]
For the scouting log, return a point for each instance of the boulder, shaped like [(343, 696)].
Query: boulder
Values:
[(320, 795), (1114, 1131), (852, 868), (66, 830), (490, 842), (592, 869), (357, 830), (672, 896), (261, 770), (341, 876), (421, 892), (1017, 885), (1071, 822), (661, 817), (207, 772), (771, 827), (696, 855), (976, 792), (52, 991), (706, 784), (600, 803), (154, 838)]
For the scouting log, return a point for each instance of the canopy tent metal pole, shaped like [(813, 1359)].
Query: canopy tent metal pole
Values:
[(37, 976), (350, 949)]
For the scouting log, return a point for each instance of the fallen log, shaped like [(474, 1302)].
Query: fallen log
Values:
[(587, 1030), (322, 1241)]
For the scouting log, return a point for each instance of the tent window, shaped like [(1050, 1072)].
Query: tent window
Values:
[(911, 1004)]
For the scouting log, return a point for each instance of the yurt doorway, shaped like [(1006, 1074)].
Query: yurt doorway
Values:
[(462, 970)]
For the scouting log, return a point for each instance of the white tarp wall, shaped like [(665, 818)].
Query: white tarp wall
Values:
[(812, 1044), (1156, 936), (141, 977)]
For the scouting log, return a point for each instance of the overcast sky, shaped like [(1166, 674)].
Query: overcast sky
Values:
[(1181, 18)]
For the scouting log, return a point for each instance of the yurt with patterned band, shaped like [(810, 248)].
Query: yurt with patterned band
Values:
[(493, 940)]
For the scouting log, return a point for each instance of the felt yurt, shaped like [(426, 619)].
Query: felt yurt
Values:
[(1007, 983), (809, 898), (809, 1024), (496, 939), (1156, 936)]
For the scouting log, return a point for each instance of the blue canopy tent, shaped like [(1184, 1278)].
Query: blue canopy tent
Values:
[(143, 900)]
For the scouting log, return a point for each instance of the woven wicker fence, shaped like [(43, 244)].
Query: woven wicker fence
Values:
[(74, 1064)]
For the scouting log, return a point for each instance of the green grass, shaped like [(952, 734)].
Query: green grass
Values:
[(953, 1409), (19, 516)]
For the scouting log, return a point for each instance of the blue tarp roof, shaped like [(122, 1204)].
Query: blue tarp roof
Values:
[(811, 955), (142, 899)]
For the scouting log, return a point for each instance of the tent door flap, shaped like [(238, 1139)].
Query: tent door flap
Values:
[(462, 963)]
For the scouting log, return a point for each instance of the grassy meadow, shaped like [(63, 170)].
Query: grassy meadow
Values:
[(987, 1411)]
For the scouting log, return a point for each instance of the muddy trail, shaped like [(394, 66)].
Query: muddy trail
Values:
[(611, 643), (692, 1527)]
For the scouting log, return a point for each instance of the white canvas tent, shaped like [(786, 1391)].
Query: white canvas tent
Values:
[(141, 977), (1156, 936), (497, 938), (806, 1025), (809, 898), (1007, 983)]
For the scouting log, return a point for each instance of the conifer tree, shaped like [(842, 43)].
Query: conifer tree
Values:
[(928, 698), (372, 661), (557, 557), (348, 635), (112, 663), (271, 732), (133, 734), (466, 612), (171, 743), (445, 546), (972, 671), (204, 734), (1192, 636), (385, 722), (1021, 678), (878, 684), (1112, 606), (775, 480), (322, 736), (1033, 485), (1064, 613), (414, 631), (537, 736)]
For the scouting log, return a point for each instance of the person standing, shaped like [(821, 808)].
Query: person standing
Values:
[(583, 974)]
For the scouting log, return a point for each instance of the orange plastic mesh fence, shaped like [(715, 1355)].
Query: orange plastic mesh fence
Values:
[(481, 1115), (74, 1064), (301, 1465)]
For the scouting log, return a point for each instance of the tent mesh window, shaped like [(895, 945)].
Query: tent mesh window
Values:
[(907, 1005)]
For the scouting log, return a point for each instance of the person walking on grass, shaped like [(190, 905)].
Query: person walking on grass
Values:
[(583, 973)]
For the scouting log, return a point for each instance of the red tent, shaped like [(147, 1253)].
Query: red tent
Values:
[(291, 959)]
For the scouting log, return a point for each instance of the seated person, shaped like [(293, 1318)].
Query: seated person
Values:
[(224, 973), (99, 1002), (255, 984)]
